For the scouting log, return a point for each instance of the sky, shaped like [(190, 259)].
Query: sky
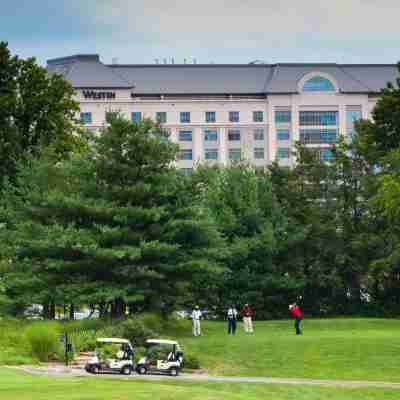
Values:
[(211, 31)]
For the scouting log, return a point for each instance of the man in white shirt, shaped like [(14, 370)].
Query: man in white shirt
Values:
[(232, 318), (196, 315)]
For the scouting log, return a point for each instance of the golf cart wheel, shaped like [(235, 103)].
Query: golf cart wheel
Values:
[(126, 370), (95, 370), (142, 371), (174, 372)]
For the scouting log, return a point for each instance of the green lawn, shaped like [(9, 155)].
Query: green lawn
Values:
[(351, 349), (365, 349), (20, 386)]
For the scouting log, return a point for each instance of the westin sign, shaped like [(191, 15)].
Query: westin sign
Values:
[(95, 95)]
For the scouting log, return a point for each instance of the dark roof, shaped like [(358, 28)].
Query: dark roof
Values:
[(198, 79), (86, 71)]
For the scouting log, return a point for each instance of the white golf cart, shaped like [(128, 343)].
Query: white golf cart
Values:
[(112, 355), (162, 356)]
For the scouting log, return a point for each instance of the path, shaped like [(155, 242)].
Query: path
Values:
[(211, 378)]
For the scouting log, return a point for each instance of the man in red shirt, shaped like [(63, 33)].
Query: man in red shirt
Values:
[(296, 312), (247, 313)]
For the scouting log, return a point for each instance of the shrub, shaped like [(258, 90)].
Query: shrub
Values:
[(43, 338), (191, 362), (89, 324), (136, 331), (152, 321), (84, 340)]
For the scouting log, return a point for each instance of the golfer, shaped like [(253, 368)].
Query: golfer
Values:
[(196, 316), (247, 314), (296, 313), (232, 318)]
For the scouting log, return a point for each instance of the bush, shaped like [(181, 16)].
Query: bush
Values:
[(43, 339), (190, 361), (152, 321), (89, 324), (136, 331), (84, 340)]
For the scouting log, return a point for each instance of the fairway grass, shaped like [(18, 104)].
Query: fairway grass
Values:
[(16, 385), (350, 349), (339, 349)]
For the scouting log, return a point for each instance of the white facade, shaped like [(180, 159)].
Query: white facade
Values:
[(255, 112), (248, 145)]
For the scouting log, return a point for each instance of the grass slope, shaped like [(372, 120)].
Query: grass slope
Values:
[(15, 385), (352, 349)]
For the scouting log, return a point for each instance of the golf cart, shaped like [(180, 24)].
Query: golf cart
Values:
[(112, 355), (162, 356)]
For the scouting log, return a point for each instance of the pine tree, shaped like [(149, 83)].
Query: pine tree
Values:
[(113, 227)]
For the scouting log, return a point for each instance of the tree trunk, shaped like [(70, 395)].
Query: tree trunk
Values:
[(71, 311), (118, 309), (46, 312), (52, 310), (102, 310)]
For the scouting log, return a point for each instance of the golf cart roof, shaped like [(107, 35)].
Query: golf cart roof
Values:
[(161, 341), (112, 340)]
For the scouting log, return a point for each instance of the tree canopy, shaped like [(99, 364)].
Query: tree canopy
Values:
[(36, 109)]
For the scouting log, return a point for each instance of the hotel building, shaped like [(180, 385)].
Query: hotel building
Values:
[(222, 113)]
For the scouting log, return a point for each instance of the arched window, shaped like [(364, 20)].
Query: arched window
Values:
[(318, 84)]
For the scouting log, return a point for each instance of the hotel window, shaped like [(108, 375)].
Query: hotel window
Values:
[(234, 116), (258, 134), (161, 117), (185, 117), (233, 135), (317, 136), (211, 154), (326, 154), (185, 154), (210, 135), (259, 153), (351, 117), (318, 84), (186, 171), (235, 154), (282, 153), (318, 118), (86, 118), (210, 116), (283, 134), (283, 117), (185, 136), (136, 116), (258, 116)]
